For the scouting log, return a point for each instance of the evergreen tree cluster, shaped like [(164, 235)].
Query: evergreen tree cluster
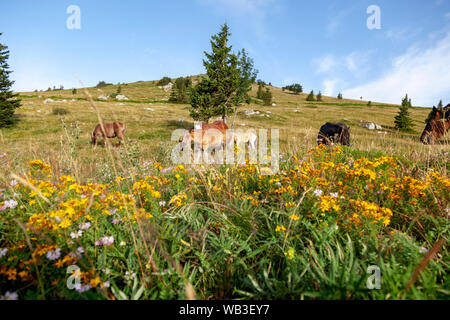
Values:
[(339, 96), (264, 95), (8, 100), (296, 88), (180, 89), (403, 121), (164, 81)]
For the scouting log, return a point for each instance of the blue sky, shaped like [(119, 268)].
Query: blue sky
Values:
[(323, 45)]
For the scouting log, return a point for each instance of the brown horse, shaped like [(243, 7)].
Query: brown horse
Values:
[(112, 130), (211, 135), (437, 125)]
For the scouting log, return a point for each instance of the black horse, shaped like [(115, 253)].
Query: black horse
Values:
[(334, 133)]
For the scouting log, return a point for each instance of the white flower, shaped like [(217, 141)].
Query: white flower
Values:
[(105, 285), (318, 192), (10, 204), (334, 195), (76, 235), (162, 203), (122, 243), (53, 255), (10, 296), (106, 241), (130, 275), (81, 289), (85, 226), (13, 183), (3, 252)]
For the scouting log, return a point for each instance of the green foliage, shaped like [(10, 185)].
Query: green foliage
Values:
[(296, 88), (74, 91), (310, 97), (369, 104), (102, 84), (8, 100), (180, 89), (403, 121), (229, 80), (164, 81), (119, 89), (339, 96), (319, 96), (267, 97)]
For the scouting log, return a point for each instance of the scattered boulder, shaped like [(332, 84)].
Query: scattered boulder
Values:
[(121, 97), (372, 126), (48, 100), (150, 109), (369, 125), (102, 97), (274, 104), (167, 87)]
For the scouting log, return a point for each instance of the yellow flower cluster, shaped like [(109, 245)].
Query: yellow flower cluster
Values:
[(178, 199)]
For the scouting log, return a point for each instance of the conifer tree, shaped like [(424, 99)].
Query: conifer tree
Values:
[(403, 121), (267, 97), (310, 97), (339, 96), (8, 100), (319, 96), (229, 80)]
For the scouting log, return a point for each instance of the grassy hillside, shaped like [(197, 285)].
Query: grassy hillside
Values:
[(139, 227), (40, 134)]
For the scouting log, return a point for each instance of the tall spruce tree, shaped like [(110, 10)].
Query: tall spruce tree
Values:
[(310, 97), (403, 121), (319, 96), (229, 80), (8, 100)]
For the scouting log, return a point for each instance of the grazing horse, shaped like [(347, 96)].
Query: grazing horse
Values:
[(112, 130), (211, 135), (334, 132), (437, 125), (245, 137)]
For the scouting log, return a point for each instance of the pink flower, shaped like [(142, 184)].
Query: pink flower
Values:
[(105, 241), (54, 255), (84, 226)]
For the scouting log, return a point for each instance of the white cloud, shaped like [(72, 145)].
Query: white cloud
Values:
[(325, 64), (424, 75), (329, 86)]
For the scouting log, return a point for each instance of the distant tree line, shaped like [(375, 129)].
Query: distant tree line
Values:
[(296, 88), (180, 90)]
